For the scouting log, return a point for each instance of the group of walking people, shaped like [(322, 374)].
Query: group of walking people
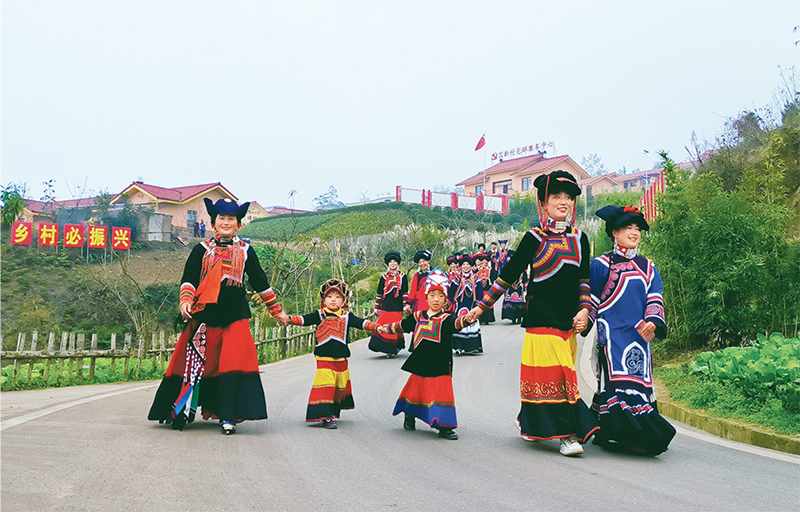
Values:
[(557, 292)]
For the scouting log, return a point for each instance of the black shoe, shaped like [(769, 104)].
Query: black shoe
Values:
[(228, 429), (178, 422), (409, 422), (448, 433)]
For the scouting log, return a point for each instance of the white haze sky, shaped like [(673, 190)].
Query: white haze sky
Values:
[(269, 97)]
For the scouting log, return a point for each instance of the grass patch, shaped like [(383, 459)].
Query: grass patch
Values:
[(725, 400)]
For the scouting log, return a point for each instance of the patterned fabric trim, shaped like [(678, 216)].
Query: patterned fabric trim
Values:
[(554, 252), (585, 299), (271, 301), (186, 293), (296, 320), (369, 326), (395, 328), (495, 292)]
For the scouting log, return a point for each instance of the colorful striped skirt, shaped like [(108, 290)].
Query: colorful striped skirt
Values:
[(552, 407), (387, 343), (331, 391), (229, 387), (429, 399)]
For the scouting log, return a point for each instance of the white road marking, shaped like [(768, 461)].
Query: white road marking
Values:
[(19, 420)]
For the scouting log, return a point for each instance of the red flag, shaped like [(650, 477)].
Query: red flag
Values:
[(481, 142)]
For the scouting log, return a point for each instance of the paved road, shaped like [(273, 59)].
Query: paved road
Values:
[(91, 448)]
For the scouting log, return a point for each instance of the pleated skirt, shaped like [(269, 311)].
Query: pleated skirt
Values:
[(230, 386), (387, 343), (552, 407), (430, 399), (331, 391), (627, 413)]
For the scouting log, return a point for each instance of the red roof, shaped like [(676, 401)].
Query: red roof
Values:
[(42, 207), (524, 165), (176, 194)]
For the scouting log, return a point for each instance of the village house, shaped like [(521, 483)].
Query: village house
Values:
[(185, 204), (516, 176)]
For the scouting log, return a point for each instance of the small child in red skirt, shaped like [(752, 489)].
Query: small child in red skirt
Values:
[(331, 391), (428, 394)]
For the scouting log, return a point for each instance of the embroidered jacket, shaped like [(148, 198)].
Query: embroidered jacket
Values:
[(333, 333), (626, 291), (559, 277), (432, 341), (213, 282), (416, 292), (392, 292)]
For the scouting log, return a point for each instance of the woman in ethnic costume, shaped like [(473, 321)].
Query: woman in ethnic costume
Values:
[(215, 364), (629, 312), (558, 305), (452, 273), (514, 299), (465, 291), (331, 391), (428, 393), (416, 290), (486, 275), (392, 294)]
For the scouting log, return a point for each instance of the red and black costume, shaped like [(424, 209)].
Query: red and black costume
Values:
[(392, 294), (215, 364), (331, 391)]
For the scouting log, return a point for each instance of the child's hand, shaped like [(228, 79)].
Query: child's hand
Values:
[(382, 329)]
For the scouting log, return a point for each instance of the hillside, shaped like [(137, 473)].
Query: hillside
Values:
[(367, 219)]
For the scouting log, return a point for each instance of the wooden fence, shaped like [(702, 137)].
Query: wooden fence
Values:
[(272, 343)]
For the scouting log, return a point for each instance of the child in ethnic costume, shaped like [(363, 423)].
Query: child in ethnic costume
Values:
[(514, 299), (331, 391), (465, 291), (486, 275), (215, 364), (558, 305), (629, 311), (428, 394), (392, 293)]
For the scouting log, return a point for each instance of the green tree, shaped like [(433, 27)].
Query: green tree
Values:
[(12, 197)]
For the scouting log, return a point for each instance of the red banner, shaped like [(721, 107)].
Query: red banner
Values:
[(648, 203), (121, 239), (48, 235), (97, 237), (73, 235), (21, 233)]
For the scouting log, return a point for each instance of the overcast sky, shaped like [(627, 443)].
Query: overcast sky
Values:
[(268, 97)]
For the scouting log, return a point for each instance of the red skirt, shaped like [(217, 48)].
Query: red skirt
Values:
[(387, 343), (230, 386)]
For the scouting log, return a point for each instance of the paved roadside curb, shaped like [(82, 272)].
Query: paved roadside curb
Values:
[(725, 429)]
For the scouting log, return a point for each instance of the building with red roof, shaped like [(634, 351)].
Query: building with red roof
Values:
[(516, 175), (185, 204)]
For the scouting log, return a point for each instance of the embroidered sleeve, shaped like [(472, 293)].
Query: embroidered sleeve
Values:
[(395, 328), (495, 292), (187, 293), (360, 323), (379, 296), (404, 288), (403, 326), (271, 301), (598, 277), (296, 320), (585, 294), (461, 322), (408, 299), (654, 310)]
